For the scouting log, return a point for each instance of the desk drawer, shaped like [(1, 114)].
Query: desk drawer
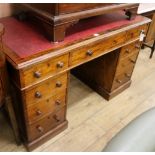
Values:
[(130, 49), (46, 124), (121, 79), (127, 64), (43, 70), (91, 51), (45, 89), (135, 32), (50, 105)]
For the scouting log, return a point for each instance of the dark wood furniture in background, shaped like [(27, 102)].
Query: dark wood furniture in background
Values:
[(150, 37), (5, 94), (2, 62), (39, 69), (54, 19)]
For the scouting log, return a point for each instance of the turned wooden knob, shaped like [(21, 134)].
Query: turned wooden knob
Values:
[(60, 64), (58, 84), (131, 34), (38, 94), (40, 128), (119, 81), (115, 41), (37, 74), (127, 75), (127, 51), (56, 118), (38, 112), (89, 53), (57, 102), (133, 61)]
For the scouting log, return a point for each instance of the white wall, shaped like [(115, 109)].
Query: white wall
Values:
[(146, 7)]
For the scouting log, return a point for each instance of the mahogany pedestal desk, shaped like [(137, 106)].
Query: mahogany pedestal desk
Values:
[(105, 51)]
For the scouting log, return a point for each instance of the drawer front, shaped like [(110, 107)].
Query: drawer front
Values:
[(45, 89), (126, 64), (45, 107), (130, 49), (46, 124), (121, 79), (91, 51), (135, 32), (43, 70)]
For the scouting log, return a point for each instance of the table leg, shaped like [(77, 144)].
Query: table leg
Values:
[(152, 49)]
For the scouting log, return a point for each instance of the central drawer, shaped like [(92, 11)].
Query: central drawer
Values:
[(45, 89), (88, 52)]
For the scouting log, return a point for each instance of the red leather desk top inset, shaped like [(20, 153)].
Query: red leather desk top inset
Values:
[(25, 40)]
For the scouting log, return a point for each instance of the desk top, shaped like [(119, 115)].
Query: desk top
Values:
[(24, 42)]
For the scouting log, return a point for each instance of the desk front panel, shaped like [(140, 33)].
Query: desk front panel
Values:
[(39, 71), (83, 54)]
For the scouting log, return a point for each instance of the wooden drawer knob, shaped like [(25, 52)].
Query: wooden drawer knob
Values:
[(60, 64), (89, 53), (115, 41), (56, 118), (40, 129), (58, 84), (57, 102), (38, 94), (133, 61), (37, 74), (127, 75), (132, 34), (127, 51), (119, 81), (38, 112)]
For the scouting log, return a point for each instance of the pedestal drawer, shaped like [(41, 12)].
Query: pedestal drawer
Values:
[(45, 89), (127, 64), (41, 109), (121, 79), (46, 124), (130, 49), (44, 69)]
